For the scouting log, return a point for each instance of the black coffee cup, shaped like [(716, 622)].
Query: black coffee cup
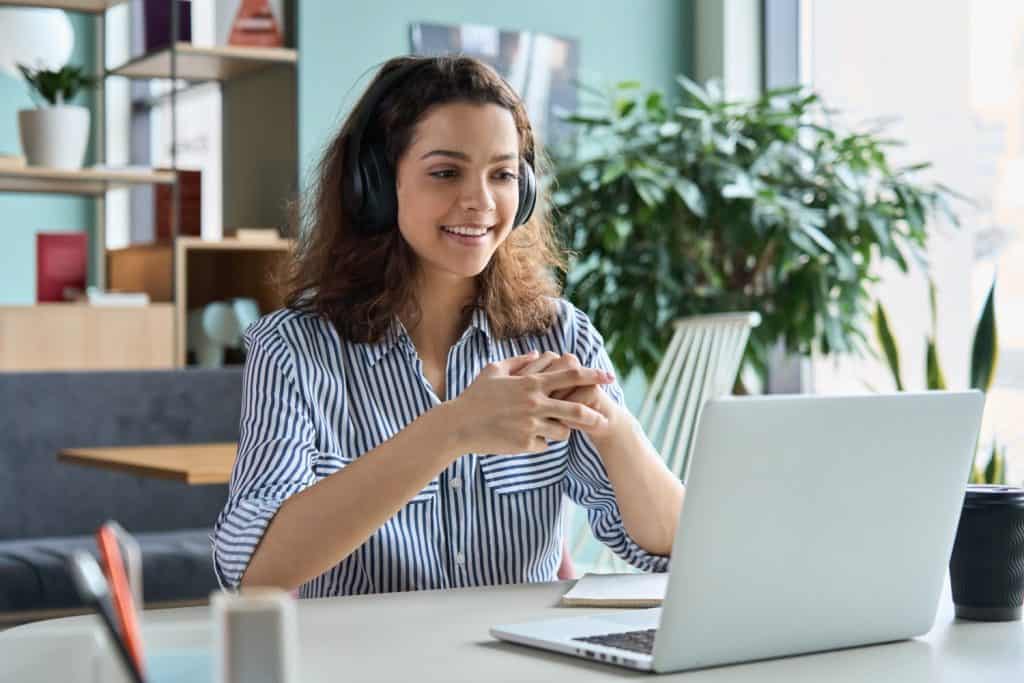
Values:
[(987, 566)]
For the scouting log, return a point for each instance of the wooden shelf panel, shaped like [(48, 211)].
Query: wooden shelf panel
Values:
[(234, 244), (89, 6), (71, 336), (198, 63), (87, 181)]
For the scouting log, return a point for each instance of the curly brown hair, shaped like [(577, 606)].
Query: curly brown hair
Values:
[(361, 282)]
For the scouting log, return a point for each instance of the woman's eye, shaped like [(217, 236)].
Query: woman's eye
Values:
[(508, 176), (445, 174)]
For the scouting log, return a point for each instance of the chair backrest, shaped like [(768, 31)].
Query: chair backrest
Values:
[(702, 361)]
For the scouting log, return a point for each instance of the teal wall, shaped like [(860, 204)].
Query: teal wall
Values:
[(340, 43), (23, 215)]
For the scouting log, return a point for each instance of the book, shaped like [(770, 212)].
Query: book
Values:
[(617, 590), (98, 297), (62, 260), (190, 201), (156, 23)]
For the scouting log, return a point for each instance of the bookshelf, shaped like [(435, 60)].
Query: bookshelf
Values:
[(173, 272), (198, 63), (204, 271), (86, 6), (89, 181)]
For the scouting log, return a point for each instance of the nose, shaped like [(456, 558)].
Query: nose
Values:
[(477, 196)]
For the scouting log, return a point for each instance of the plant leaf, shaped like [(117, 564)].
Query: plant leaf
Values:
[(892, 354), (695, 91), (936, 380), (932, 307), (985, 348), (691, 196), (995, 471), (977, 476)]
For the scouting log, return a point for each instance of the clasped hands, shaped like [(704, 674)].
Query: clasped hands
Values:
[(521, 403)]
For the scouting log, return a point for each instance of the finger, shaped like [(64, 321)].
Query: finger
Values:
[(512, 365), (568, 395), (568, 361), (572, 415), (543, 363), (553, 430), (577, 377), (540, 444)]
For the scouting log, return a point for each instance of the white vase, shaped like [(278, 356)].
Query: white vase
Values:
[(55, 137)]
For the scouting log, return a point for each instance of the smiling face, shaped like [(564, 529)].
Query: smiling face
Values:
[(457, 185)]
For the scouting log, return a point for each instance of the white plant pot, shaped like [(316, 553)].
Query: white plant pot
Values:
[(55, 137)]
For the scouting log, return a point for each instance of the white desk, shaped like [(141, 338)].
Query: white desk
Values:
[(443, 636)]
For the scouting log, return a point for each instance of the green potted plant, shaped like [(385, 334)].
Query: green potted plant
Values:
[(55, 133), (984, 359), (702, 205)]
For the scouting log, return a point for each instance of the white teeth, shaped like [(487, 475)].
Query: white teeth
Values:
[(461, 230)]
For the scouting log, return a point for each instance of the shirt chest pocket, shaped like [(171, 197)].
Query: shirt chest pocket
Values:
[(326, 464), (505, 474)]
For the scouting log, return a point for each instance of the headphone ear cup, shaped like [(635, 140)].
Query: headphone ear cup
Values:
[(380, 202), (527, 193)]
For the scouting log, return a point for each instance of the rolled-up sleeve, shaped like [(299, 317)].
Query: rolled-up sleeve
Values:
[(275, 454), (587, 482)]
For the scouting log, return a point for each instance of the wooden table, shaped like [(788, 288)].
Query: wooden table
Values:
[(206, 463)]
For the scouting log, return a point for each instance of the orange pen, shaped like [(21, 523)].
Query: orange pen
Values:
[(113, 567)]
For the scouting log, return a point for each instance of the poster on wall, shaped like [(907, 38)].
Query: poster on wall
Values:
[(542, 68)]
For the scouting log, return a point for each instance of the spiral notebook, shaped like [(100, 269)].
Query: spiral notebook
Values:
[(617, 590)]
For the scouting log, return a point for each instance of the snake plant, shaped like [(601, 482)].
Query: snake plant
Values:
[(984, 357)]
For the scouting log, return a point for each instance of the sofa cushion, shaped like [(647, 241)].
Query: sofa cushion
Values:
[(176, 565)]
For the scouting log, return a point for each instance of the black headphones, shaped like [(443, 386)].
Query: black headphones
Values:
[(370, 179)]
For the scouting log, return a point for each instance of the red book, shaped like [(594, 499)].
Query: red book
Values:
[(62, 261), (190, 199)]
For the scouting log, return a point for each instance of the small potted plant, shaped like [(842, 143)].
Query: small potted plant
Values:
[(55, 134)]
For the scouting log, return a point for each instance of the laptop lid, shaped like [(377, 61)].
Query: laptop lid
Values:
[(812, 523)]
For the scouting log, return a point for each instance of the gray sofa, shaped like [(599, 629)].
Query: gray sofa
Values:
[(48, 508)]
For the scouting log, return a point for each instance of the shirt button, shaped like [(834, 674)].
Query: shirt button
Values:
[(456, 483), (460, 558)]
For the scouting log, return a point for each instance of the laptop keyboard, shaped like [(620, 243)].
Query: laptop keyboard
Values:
[(634, 641)]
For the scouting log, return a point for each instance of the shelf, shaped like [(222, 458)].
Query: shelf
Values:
[(91, 181), (215, 63), (74, 336), (207, 271), (234, 244), (90, 6)]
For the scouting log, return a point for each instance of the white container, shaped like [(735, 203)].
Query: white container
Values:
[(255, 637), (55, 137)]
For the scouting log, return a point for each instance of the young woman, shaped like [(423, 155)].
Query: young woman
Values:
[(397, 433)]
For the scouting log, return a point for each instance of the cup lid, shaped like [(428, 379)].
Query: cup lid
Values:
[(994, 494)]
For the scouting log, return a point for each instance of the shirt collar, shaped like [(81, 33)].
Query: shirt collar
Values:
[(396, 335)]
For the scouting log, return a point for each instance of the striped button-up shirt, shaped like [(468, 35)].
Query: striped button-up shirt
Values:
[(313, 402)]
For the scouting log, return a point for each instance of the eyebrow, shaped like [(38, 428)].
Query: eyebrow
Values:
[(462, 156)]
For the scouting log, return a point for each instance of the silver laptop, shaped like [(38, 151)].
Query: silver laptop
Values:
[(809, 524)]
